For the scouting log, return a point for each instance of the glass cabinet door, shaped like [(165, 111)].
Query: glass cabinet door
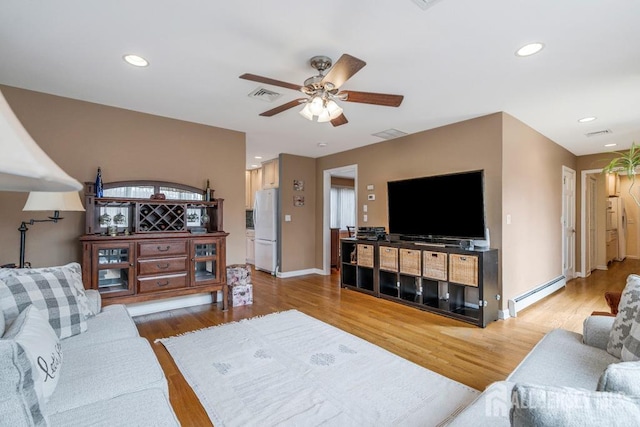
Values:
[(113, 268), (205, 266)]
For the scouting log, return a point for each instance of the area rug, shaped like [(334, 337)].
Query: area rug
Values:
[(288, 368)]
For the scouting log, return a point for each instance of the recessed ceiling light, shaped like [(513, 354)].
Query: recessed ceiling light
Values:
[(610, 145), (530, 49), (254, 166), (257, 157), (587, 119), (136, 60), (322, 144)]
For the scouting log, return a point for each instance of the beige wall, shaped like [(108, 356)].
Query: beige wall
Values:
[(298, 244), (80, 136), (469, 145), (342, 182), (532, 196)]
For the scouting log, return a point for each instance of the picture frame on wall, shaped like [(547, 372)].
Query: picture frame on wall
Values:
[(298, 185), (298, 201)]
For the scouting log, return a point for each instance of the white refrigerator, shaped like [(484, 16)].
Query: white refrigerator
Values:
[(265, 223)]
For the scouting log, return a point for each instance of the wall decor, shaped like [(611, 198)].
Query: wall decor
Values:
[(298, 185), (298, 200)]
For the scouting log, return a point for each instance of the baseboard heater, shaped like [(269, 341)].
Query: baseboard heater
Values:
[(525, 300)]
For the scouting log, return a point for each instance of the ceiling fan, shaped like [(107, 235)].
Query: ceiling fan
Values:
[(323, 90)]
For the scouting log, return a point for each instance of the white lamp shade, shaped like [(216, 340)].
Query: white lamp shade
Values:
[(23, 164), (53, 201), (306, 112), (324, 116), (316, 105), (334, 109)]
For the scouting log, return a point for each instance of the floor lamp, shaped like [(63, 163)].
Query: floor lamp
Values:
[(47, 201)]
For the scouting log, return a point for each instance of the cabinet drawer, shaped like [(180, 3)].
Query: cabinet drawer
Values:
[(365, 255), (410, 261), (161, 283), (388, 258), (148, 267), (463, 269), (162, 248), (434, 265)]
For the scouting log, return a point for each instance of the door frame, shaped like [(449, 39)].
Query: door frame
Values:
[(326, 211), (568, 217), (583, 220)]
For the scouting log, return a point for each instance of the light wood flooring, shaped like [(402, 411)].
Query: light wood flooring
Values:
[(468, 354)]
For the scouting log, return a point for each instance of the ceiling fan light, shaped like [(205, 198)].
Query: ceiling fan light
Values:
[(306, 112), (324, 116), (316, 105), (334, 109)]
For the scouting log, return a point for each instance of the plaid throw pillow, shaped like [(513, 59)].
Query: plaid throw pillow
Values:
[(50, 290)]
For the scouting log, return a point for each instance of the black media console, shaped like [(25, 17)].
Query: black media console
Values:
[(437, 277)]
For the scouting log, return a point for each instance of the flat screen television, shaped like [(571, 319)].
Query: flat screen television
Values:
[(442, 206)]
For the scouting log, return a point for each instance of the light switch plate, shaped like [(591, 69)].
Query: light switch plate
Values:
[(287, 218)]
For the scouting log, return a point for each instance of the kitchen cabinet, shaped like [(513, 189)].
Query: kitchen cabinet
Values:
[(251, 247), (270, 174), (253, 184)]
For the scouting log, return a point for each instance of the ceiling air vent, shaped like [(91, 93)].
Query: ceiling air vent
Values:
[(599, 132), (264, 95), (390, 134)]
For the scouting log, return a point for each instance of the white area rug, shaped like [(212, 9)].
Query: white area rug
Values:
[(290, 369)]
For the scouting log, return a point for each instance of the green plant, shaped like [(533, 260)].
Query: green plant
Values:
[(626, 162)]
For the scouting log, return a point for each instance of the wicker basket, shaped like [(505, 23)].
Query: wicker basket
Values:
[(410, 262), (388, 258), (365, 255), (434, 265), (463, 269)]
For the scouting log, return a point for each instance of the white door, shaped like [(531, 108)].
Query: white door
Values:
[(568, 222)]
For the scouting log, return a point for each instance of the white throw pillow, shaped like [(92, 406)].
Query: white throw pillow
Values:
[(34, 334), (627, 310)]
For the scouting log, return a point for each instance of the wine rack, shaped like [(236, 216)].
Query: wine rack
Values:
[(161, 217)]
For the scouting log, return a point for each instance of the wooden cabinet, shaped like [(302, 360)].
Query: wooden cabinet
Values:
[(165, 248), (451, 281), (270, 174), (253, 184)]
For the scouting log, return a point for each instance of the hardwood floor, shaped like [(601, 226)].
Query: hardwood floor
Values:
[(468, 354)]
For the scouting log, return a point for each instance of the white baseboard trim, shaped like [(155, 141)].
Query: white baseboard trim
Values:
[(300, 273), (633, 257), (536, 294), (142, 308), (503, 314), (601, 267)]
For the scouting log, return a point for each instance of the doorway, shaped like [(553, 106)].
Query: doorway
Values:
[(351, 172)]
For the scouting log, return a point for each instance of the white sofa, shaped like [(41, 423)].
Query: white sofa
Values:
[(561, 359), (110, 376)]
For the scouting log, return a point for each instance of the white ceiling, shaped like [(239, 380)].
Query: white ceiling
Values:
[(452, 62)]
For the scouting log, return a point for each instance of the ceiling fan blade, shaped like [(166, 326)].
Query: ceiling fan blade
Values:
[(267, 80), (340, 120), (373, 98), (343, 70), (283, 107)]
